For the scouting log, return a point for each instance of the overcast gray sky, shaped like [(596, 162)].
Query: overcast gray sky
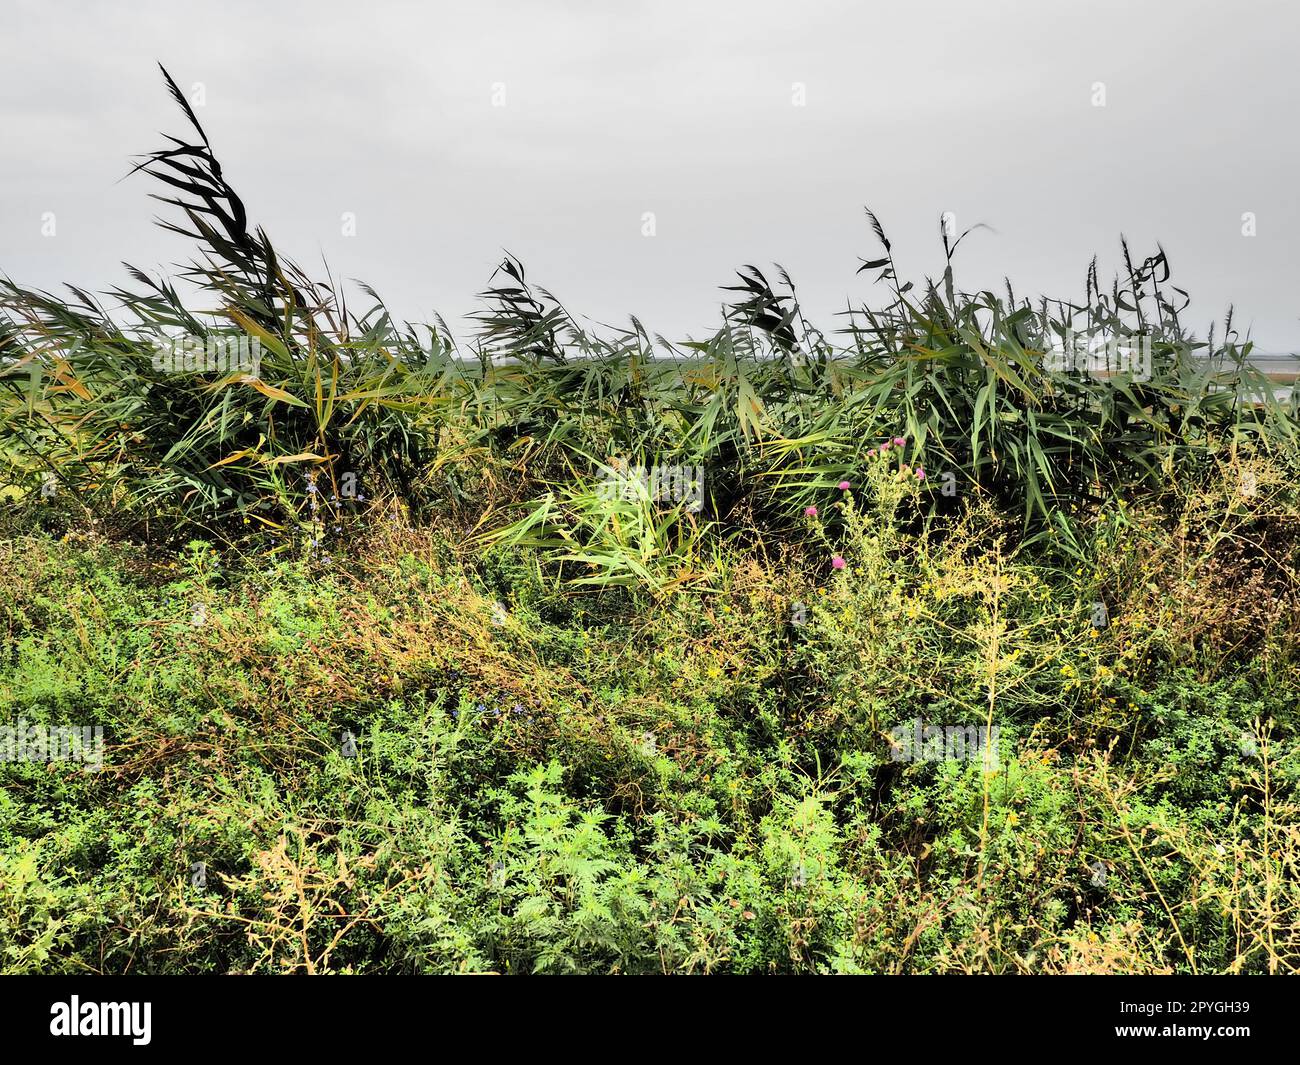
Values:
[(688, 110)]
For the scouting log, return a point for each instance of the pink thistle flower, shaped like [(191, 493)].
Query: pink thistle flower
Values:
[(899, 441), (810, 512), (884, 446), (837, 562), (872, 453), (844, 486), (920, 473)]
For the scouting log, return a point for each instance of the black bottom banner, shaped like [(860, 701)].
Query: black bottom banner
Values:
[(1061, 1015)]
